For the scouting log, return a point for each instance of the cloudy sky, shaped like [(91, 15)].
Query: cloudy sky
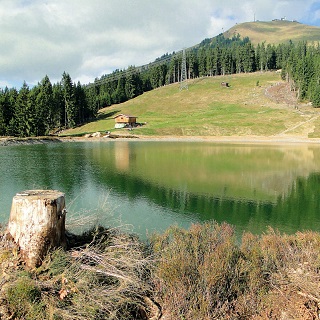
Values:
[(89, 38)]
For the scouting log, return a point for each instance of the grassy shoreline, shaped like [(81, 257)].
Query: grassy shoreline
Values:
[(200, 273), (7, 141)]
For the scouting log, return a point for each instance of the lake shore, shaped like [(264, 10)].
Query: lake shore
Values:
[(285, 139), (280, 139)]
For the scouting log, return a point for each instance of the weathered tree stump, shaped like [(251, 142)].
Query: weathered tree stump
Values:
[(37, 223)]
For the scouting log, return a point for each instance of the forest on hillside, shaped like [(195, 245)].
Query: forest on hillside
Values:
[(47, 108)]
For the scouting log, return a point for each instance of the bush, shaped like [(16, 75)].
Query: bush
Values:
[(203, 273), (198, 274)]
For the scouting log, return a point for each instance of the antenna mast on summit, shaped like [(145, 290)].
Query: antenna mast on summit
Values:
[(183, 79)]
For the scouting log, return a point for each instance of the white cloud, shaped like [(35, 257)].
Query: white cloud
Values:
[(91, 38)]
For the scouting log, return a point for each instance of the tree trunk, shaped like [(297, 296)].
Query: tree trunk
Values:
[(37, 223)]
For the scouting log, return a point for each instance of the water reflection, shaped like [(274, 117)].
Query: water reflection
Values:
[(152, 185)]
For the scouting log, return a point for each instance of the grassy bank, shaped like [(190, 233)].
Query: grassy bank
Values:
[(209, 109), (200, 273)]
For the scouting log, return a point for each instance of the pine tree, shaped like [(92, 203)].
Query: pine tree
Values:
[(93, 102), (262, 57), (10, 98), (82, 105), (226, 61), (22, 122), (248, 58), (119, 95), (58, 106), (192, 65), (202, 62), (239, 56), (133, 86), (315, 81), (3, 127), (69, 101), (45, 107), (270, 57), (210, 63)]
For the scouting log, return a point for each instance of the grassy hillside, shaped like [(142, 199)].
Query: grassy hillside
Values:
[(275, 32), (208, 109)]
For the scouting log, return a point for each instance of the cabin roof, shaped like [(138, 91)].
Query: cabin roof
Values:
[(124, 115)]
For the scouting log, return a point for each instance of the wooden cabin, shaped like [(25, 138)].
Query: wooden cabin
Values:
[(123, 120), (225, 84)]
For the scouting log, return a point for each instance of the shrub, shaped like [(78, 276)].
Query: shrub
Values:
[(198, 274), (203, 273)]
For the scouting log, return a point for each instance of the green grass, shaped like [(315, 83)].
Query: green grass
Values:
[(316, 131), (205, 109)]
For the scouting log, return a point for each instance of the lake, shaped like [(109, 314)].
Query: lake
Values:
[(146, 186)]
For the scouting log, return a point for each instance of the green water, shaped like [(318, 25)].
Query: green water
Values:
[(148, 186)]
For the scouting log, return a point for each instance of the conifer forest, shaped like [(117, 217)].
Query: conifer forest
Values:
[(47, 108)]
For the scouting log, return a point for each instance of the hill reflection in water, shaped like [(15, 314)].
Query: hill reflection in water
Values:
[(152, 185)]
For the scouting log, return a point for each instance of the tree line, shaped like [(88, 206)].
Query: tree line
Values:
[(46, 107)]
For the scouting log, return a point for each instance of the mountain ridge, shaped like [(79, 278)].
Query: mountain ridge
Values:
[(270, 32), (274, 32)]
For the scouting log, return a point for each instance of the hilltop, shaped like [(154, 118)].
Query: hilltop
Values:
[(275, 32)]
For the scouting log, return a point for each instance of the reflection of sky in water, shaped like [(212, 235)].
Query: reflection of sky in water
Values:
[(147, 187)]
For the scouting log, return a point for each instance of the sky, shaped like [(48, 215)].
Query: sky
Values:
[(90, 38)]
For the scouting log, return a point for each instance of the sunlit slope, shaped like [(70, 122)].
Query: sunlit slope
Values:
[(275, 32), (207, 109)]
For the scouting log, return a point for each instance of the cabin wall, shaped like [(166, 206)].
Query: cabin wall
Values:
[(125, 120)]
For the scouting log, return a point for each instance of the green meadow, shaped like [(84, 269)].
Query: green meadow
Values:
[(208, 109)]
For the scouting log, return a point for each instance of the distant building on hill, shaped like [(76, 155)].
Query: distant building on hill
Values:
[(125, 121)]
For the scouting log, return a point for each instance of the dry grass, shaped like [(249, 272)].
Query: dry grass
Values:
[(275, 32), (203, 274), (200, 273), (103, 275)]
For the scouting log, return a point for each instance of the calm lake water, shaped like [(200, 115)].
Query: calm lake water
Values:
[(148, 186)]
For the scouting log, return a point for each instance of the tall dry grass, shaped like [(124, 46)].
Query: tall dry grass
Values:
[(203, 273), (103, 275), (200, 273)]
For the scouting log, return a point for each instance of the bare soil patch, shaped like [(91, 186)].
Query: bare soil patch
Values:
[(281, 94)]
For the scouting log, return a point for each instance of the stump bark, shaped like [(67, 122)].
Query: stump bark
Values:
[(37, 223)]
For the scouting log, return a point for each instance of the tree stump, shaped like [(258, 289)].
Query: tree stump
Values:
[(37, 223)]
